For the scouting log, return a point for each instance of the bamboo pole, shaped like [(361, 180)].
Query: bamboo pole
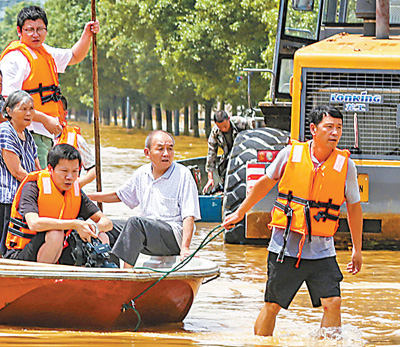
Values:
[(96, 107)]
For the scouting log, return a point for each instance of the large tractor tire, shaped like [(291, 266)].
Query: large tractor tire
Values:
[(245, 149)]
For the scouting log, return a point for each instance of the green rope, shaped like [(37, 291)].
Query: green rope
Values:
[(179, 266)]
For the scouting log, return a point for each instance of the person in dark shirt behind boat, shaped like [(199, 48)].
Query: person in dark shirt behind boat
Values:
[(167, 198), (29, 64), (315, 178), (222, 135), (47, 206), (18, 154)]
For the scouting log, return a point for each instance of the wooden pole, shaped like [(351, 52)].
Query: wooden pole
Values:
[(96, 106)]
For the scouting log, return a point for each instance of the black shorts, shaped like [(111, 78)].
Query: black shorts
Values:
[(30, 251), (322, 277)]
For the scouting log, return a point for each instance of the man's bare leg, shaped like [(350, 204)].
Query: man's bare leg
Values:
[(331, 317), (52, 248), (265, 323)]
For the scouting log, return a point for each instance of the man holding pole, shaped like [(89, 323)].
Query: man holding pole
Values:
[(33, 66)]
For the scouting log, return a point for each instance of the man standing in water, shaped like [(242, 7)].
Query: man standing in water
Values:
[(166, 196), (31, 65), (222, 135), (315, 178)]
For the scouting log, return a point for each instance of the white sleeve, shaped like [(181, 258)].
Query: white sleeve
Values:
[(61, 56), (127, 193), (189, 198), (275, 170), (352, 190), (15, 69)]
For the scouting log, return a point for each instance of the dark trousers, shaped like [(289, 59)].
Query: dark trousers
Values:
[(143, 235), (5, 211)]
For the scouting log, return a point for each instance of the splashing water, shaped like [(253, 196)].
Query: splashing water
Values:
[(347, 335)]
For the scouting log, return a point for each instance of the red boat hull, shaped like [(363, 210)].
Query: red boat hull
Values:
[(93, 299)]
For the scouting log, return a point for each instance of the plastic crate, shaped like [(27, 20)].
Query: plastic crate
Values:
[(211, 208)]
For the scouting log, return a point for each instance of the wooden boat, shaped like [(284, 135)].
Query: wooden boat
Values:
[(71, 297)]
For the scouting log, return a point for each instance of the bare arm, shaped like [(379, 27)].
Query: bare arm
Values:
[(188, 226), (102, 221), (81, 47), (103, 197), (210, 182), (260, 189), (39, 224), (14, 164), (37, 164), (52, 124), (87, 178), (354, 217)]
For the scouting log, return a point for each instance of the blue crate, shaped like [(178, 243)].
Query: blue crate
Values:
[(211, 208)]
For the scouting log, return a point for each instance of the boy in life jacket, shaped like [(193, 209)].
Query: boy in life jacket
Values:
[(72, 136), (315, 178), (47, 206), (31, 65)]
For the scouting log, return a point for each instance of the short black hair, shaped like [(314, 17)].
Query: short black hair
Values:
[(62, 151), (220, 116), (1, 74), (31, 13), (317, 114)]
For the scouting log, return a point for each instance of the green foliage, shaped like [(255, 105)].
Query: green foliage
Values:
[(170, 52), (8, 27)]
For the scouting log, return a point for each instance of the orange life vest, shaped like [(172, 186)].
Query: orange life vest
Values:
[(51, 203), (42, 82), (69, 135), (309, 198)]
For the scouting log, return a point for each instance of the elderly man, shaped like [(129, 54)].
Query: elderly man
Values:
[(166, 196)]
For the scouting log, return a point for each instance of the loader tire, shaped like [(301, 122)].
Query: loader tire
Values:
[(245, 149)]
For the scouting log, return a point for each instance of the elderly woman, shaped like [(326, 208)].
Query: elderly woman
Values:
[(18, 154)]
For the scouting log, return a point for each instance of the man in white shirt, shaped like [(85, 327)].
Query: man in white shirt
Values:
[(31, 65), (167, 198)]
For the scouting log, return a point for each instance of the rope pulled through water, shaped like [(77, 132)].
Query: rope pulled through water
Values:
[(177, 267)]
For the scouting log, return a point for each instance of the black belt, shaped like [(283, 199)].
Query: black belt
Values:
[(55, 96)]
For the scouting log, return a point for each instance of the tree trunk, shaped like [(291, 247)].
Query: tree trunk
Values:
[(168, 116), (128, 113), (186, 122), (148, 122), (138, 116), (123, 112), (107, 116), (176, 122), (195, 117), (158, 117), (115, 115), (207, 120)]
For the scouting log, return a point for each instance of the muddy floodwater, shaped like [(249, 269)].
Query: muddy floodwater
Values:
[(225, 309)]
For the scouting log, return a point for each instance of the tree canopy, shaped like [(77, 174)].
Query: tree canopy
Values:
[(170, 52)]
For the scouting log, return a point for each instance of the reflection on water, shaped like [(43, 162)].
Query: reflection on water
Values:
[(225, 309)]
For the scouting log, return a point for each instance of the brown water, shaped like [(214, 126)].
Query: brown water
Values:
[(225, 309)]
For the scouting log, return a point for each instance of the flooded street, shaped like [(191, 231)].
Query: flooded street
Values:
[(225, 309)]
